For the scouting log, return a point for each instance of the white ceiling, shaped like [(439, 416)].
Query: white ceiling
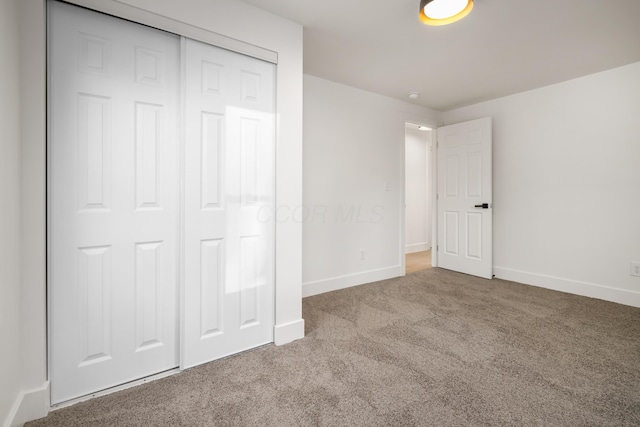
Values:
[(502, 47)]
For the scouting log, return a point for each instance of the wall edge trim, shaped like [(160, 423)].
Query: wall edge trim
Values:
[(591, 290), (30, 405), (349, 280), (417, 247), (288, 332)]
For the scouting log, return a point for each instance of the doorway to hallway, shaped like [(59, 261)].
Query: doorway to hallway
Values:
[(418, 203)]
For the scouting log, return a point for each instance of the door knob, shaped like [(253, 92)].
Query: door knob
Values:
[(483, 206)]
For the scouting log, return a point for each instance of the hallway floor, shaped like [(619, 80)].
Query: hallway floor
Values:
[(418, 261)]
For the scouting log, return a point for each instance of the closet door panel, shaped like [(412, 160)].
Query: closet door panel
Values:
[(229, 202), (113, 201)]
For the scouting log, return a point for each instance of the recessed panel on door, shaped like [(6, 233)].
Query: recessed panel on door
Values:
[(211, 288), (95, 315), (149, 295), (148, 156), (94, 151), (211, 155)]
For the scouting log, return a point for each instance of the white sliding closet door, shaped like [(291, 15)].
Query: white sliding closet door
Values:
[(113, 201), (229, 200), (144, 231)]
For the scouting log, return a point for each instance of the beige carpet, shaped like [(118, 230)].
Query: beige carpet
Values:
[(434, 348)]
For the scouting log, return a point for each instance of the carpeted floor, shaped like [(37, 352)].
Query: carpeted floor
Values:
[(433, 348)]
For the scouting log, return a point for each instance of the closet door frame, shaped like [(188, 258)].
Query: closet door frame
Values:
[(236, 20), (126, 9)]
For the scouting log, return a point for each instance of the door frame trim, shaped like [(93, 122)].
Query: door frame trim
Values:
[(432, 200), (127, 9), (429, 196)]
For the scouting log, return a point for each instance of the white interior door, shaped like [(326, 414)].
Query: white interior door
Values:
[(465, 198), (229, 243), (113, 201)]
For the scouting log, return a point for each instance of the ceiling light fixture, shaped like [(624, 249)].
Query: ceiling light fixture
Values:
[(443, 12), (413, 95)]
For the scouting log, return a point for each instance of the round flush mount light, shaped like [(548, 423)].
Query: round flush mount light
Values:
[(414, 95), (443, 12)]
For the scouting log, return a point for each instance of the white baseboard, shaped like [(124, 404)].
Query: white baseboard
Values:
[(417, 247), (287, 332), (30, 406), (342, 282), (620, 296)]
